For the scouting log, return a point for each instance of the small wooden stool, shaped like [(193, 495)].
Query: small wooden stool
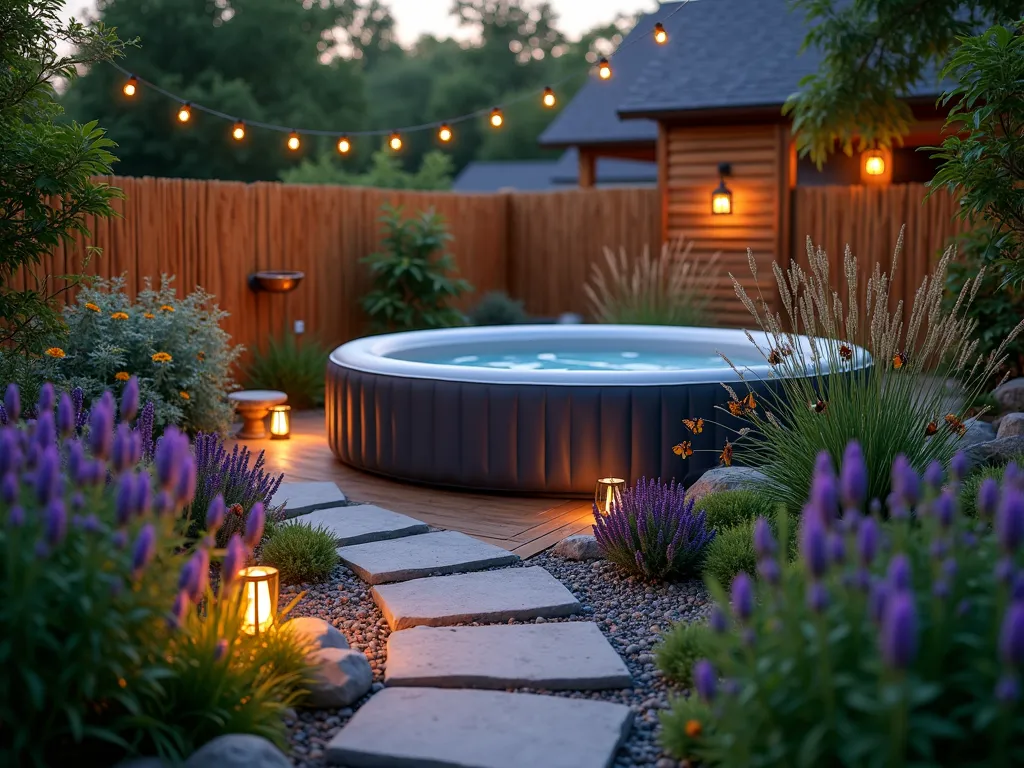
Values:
[(253, 405)]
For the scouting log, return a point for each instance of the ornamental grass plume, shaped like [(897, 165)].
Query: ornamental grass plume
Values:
[(653, 532), (862, 373), (892, 641)]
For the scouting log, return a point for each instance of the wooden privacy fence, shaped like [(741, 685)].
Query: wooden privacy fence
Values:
[(539, 247)]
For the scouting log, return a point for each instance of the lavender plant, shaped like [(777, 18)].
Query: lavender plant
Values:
[(653, 532), (885, 643)]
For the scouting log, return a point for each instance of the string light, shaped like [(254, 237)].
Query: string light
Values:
[(185, 113), (130, 86), (395, 142), (344, 145), (293, 141), (497, 119), (238, 133), (604, 69), (660, 35), (444, 133), (548, 99)]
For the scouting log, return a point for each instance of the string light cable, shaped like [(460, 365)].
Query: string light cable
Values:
[(442, 128)]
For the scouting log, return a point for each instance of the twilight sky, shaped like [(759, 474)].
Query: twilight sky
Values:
[(414, 17)]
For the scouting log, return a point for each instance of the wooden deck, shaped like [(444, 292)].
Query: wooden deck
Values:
[(524, 525)]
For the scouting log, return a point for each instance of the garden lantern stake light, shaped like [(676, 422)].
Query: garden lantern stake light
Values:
[(260, 600), (721, 198), (608, 491), (280, 422)]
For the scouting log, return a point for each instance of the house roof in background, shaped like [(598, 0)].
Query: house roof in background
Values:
[(609, 170), (549, 175)]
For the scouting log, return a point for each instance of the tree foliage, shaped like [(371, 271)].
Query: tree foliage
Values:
[(43, 158)]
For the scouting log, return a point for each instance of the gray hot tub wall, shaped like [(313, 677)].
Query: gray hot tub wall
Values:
[(520, 438)]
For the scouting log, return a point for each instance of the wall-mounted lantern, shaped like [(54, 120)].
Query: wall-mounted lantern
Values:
[(721, 198), (874, 162), (608, 491), (876, 166)]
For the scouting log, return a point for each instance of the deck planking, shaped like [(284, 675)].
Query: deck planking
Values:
[(525, 525)]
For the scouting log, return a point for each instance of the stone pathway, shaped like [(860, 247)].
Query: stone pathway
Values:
[(436, 709)]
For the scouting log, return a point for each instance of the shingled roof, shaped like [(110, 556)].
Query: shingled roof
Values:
[(547, 175)]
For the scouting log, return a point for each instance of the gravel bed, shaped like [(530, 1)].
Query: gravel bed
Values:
[(631, 613)]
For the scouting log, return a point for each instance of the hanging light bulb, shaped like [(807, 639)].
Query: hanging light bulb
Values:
[(444, 133), (660, 35), (497, 119), (293, 141), (604, 69), (131, 86), (395, 142), (344, 145), (548, 99), (185, 113), (238, 132)]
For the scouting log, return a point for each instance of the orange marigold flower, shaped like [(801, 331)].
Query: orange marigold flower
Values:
[(166, 308), (161, 357), (694, 728), (119, 316), (149, 315), (56, 352), (185, 396), (122, 375), (91, 307)]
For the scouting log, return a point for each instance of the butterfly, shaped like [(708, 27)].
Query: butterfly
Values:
[(956, 425), (746, 405), (818, 407), (683, 449), (845, 352), (899, 360), (931, 429), (726, 456), (694, 425), (774, 357)]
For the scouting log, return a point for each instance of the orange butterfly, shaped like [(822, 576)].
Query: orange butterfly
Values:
[(726, 456), (956, 425), (818, 407), (845, 352), (694, 425), (899, 360), (683, 449), (774, 358), (746, 405), (931, 429)]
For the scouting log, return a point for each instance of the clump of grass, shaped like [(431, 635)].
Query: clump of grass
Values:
[(303, 554), (726, 509), (682, 647), (297, 369), (825, 392), (671, 289), (731, 552)]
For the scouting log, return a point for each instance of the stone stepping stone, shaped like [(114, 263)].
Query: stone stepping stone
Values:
[(300, 498), (486, 597), (363, 523), (412, 557), (569, 656), (479, 729)]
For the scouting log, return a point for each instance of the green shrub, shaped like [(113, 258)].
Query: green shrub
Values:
[(302, 553), (671, 289), (297, 369), (884, 643), (970, 487), (731, 552), (497, 308), (726, 509), (412, 289), (681, 648), (175, 347)]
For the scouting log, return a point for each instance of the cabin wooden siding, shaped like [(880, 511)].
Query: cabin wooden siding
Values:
[(762, 178)]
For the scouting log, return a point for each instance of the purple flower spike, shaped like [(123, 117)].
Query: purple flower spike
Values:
[(9, 488), (234, 559), (124, 505), (898, 637), (825, 496), (764, 542), (814, 546), (56, 522), (65, 416), (1018, 588), (254, 525), (12, 403), (1011, 635), (47, 475), (817, 597), (933, 476), (47, 397), (769, 571), (16, 517), (742, 596), (1012, 475), (130, 400), (718, 621), (164, 503), (705, 680), (220, 651), (1007, 689), (898, 574), (878, 596), (853, 480), (186, 487), (143, 493), (119, 539), (178, 610), (10, 453), (170, 452), (215, 514), (988, 497), (959, 466), (122, 454), (906, 485), (92, 524), (1009, 523), (867, 541), (836, 548), (45, 431), (945, 509), (823, 464), (101, 430), (145, 548)]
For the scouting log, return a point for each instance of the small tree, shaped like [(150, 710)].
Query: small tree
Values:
[(43, 159)]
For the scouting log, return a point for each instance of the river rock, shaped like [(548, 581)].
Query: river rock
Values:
[(1010, 395), (238, 750), (1011, 425), (342, 678), (318, 631), (725, 479), (995, 452), (582, 546)]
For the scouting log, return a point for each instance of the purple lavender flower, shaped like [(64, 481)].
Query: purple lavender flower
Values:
[(9, 488), (10, 452), (938, 549), (144, 428), (16, 517), (164, 503), (12, 403), (56, 522), (814, 546), (178, 610), (124, 503), (867, 541), (853, 479), (817, 597), (825, 494), (234, 559), (769, 571), (959, 466), (145, 548), (92, 524), (3, 415), (941, 588), (185, 490), (121, 453), (836, 548), (933, 476), (1018, 588), (906, 485), (101, 430), (945, 509), (718, 621), (898, 636), (1009, 523), (1011, 635), (742, 596), (47, 475), (78, 401), (199, 574), (898, 574), (988, 498), (46, 398), (878, 596), (823, 464), (220, 651), (1004, 570), (130, 400), (764, 542), (45, 433), (705, 680), (170, 452), (65, 416), (1007, 689), (120, 539), (143, 498), (215, 514)]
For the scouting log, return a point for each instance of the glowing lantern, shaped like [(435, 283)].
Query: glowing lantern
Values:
[(280, 422), (660, 35), (260, 584), (721, 198), (874, 162), (496, 118), (608, 491), (395, 142), (293, 141)]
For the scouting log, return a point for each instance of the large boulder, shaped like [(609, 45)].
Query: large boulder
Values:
[(322, 634), (1010, 395), (1011, 425), (995, 452), (238, 750), (342, 678), (725, 479), (582, 546), (977, 432)]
